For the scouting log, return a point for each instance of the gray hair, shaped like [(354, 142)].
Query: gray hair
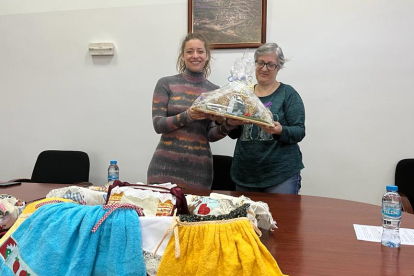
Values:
[(270, 48)]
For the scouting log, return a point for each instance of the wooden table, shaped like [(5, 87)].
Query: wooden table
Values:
[(33, 191), (315, 235)]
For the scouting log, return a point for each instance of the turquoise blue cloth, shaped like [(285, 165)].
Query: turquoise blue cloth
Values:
[(57, 240)]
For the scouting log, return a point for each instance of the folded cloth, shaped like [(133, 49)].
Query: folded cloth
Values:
[(10, 209), (261, 209), (227, 247), (58, 240), (155, 200), (153, 230), (81, 195)]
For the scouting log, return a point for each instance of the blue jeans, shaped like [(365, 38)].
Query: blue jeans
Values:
[(290, 186)]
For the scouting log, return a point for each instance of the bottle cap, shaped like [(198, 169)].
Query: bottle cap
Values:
[(113, 162), (392, 188)]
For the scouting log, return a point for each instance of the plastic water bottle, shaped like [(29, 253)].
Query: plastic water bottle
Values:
[(391, 217), (113, 172)]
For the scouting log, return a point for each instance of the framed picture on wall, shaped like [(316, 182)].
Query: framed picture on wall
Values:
[(229, 23)]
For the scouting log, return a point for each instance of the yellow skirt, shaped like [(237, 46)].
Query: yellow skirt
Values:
[(227, 247)]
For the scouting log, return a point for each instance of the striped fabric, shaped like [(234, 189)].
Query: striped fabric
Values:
[(183, 155)]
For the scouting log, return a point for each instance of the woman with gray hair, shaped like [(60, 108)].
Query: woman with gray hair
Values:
[(268, 159)]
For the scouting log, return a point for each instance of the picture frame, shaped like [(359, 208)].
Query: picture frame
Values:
[(229, 23)]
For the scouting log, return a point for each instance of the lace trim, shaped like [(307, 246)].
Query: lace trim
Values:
[(151, 263), (60, 191), (144, 194)]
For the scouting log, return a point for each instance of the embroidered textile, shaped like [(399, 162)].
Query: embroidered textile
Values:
[(10, 209), (236, 213), (261, 209), (205, 205), (155, 200)]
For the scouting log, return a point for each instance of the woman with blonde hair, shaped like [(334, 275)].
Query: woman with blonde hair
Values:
[(183, 155)]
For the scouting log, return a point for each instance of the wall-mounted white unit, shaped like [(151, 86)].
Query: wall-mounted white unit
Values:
[(101, 49)]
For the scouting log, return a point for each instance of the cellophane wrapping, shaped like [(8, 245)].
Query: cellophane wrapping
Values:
[(236, 100)]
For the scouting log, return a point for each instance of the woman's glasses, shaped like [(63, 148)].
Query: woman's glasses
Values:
[(269, 66)]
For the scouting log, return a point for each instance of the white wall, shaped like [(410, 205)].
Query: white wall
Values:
[(351, 61)]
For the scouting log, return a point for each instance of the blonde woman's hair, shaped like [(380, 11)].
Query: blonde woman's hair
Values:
[(180, 61)]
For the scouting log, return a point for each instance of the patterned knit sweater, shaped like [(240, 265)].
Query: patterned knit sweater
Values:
[(183, 155)]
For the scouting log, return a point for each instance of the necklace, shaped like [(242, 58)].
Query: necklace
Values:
[(266, 91)]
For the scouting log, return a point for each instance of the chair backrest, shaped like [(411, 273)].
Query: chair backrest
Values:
[(404, 178), (222, 179), (64, 167)]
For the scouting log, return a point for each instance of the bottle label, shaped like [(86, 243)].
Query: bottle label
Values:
[(113, 177), (391, 212)]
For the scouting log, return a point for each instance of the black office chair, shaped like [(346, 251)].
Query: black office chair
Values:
[(404, 179), (62, 167), (222, 179)]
